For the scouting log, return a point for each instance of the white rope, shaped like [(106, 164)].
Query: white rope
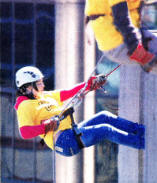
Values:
[(76, 99)]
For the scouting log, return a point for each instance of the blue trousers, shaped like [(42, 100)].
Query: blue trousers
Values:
[(103, 125)]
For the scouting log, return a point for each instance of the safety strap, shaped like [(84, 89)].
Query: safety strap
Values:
[(81, 145), (69, 112)]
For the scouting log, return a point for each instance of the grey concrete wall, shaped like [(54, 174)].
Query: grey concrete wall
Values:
[(138, 102), (149, 115), (129, 108)]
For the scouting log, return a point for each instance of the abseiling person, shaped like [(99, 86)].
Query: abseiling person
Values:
[(36, 108)]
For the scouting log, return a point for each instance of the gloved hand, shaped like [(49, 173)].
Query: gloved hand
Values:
[(51, 124), (97, 81), (141, 55)]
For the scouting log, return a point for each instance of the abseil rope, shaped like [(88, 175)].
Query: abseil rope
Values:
[(77, 98)]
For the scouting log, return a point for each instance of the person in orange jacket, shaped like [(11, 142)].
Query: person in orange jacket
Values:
[(37, 113), (119, 34)]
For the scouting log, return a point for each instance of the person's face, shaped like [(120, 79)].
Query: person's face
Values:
[(40, 86)]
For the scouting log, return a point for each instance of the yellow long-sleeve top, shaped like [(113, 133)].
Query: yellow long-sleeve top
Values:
[(106, 33), (34, 112)]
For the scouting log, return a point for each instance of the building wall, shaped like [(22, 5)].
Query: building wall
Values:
[(28, 38)]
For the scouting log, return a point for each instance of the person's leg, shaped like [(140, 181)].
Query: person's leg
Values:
[(66, 144), (92, 135), (119, 55), (98, 118), (106, 117)]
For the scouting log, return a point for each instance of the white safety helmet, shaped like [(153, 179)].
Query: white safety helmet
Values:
[(27, 74)]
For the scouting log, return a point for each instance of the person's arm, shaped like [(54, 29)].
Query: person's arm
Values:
[(94, 83), (123, 23), (28, 132), (66, 94), (131, 35)]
